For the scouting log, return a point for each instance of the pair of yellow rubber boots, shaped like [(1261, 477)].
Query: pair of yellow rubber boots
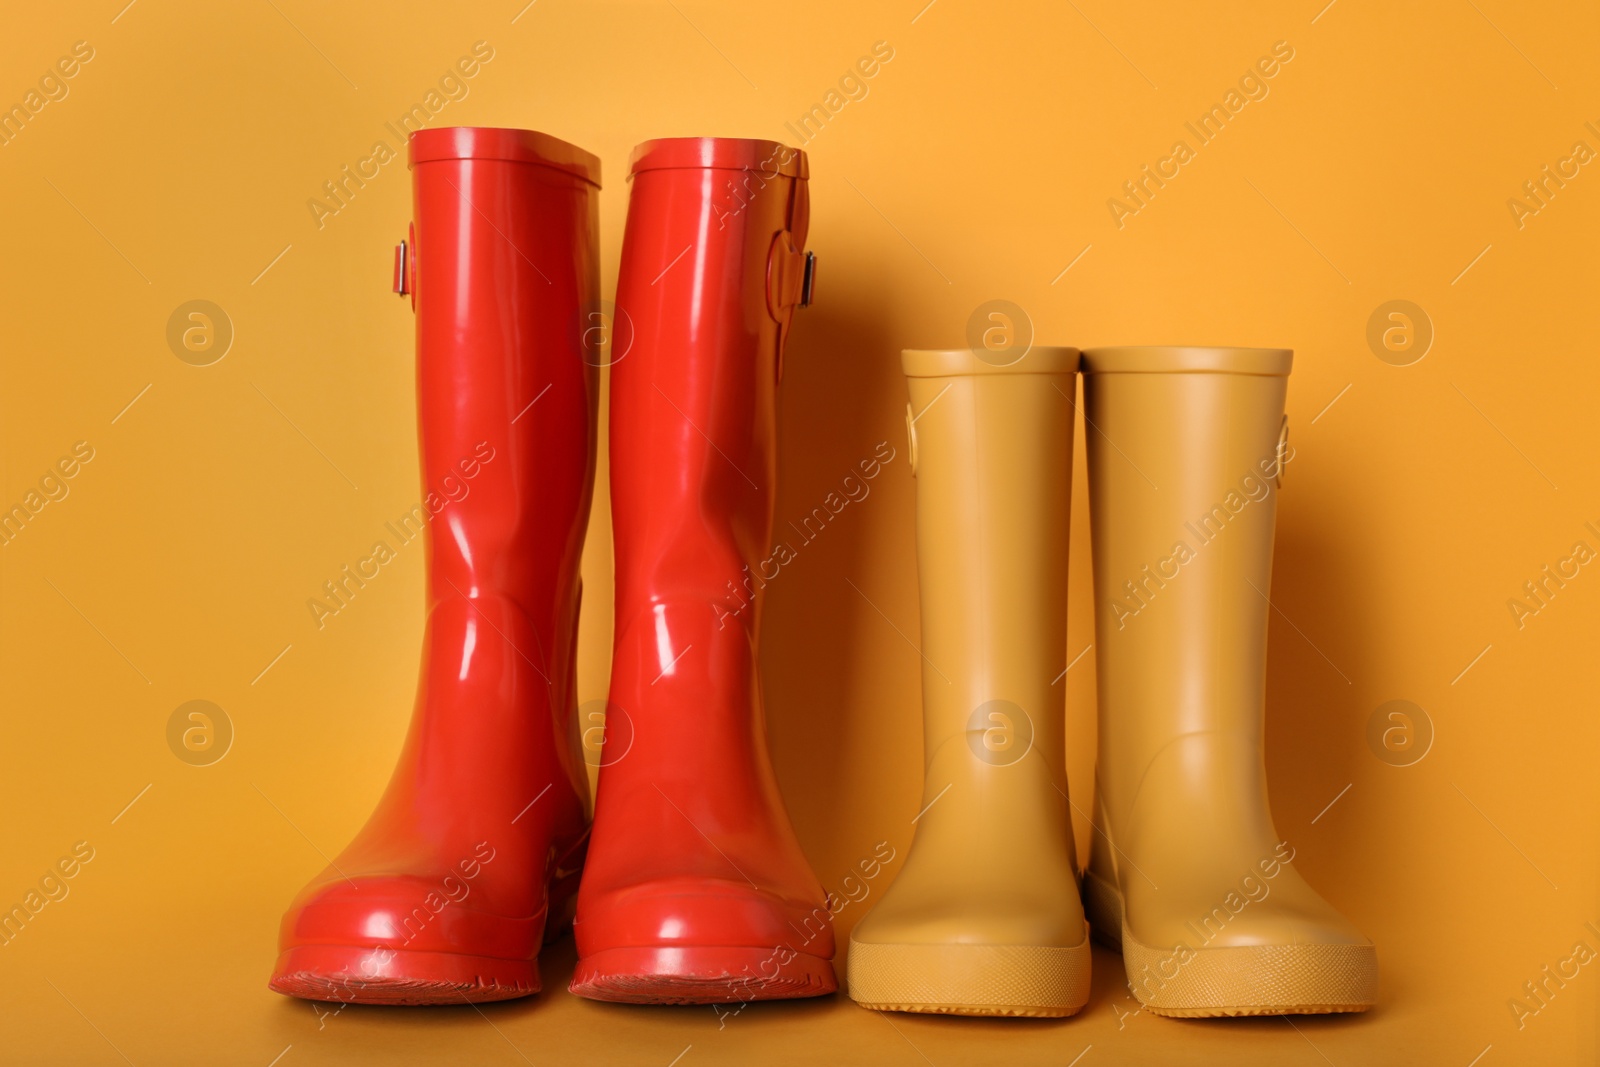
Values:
[(1187, 875)]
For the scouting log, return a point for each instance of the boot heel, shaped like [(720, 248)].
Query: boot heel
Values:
[(1043, 981), (700, 975), (347, 974)]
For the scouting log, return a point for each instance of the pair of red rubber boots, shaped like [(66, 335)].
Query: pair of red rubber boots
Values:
[(693, 885)]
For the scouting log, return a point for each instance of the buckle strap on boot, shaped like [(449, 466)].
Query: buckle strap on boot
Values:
[(791, 280)]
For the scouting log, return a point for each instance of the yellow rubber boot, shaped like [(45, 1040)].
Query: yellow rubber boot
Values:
[(1186, 873), (985, 916)]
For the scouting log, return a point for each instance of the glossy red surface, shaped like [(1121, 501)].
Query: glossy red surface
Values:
[(471, 857), (696, 889)]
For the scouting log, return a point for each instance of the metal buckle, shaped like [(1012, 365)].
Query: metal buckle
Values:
[(402, 269), (808, 279)]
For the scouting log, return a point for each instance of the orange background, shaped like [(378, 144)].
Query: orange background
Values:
[(978, 165)]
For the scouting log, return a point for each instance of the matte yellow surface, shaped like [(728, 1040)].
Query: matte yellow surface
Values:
[(992, 862), (1206, 896), (1380, 165)]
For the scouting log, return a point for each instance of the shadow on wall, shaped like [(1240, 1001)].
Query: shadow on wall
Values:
[(844, 477), (1318, 678)]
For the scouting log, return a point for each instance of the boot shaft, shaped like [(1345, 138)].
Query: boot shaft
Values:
[(710, 276), (504, 265), (504, 270), (1185, 451), (992, 455)]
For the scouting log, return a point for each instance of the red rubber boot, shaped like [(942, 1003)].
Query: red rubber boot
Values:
[(696, 889), (471, 857)]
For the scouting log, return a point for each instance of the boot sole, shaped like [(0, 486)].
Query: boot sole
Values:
[(700, 975), (1042, 981), (1235, 980), (339, 974)]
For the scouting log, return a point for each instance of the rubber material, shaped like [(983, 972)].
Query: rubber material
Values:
[(695, 880), (957, 979), (444, 893), (1186, 871), (491, 143), (1164, 359), (1240, 979), (984, 917), (944, 362), (770, 158), (701, 975)]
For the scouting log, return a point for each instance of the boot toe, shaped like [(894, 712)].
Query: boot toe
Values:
[(698, 941), (401, 940)]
